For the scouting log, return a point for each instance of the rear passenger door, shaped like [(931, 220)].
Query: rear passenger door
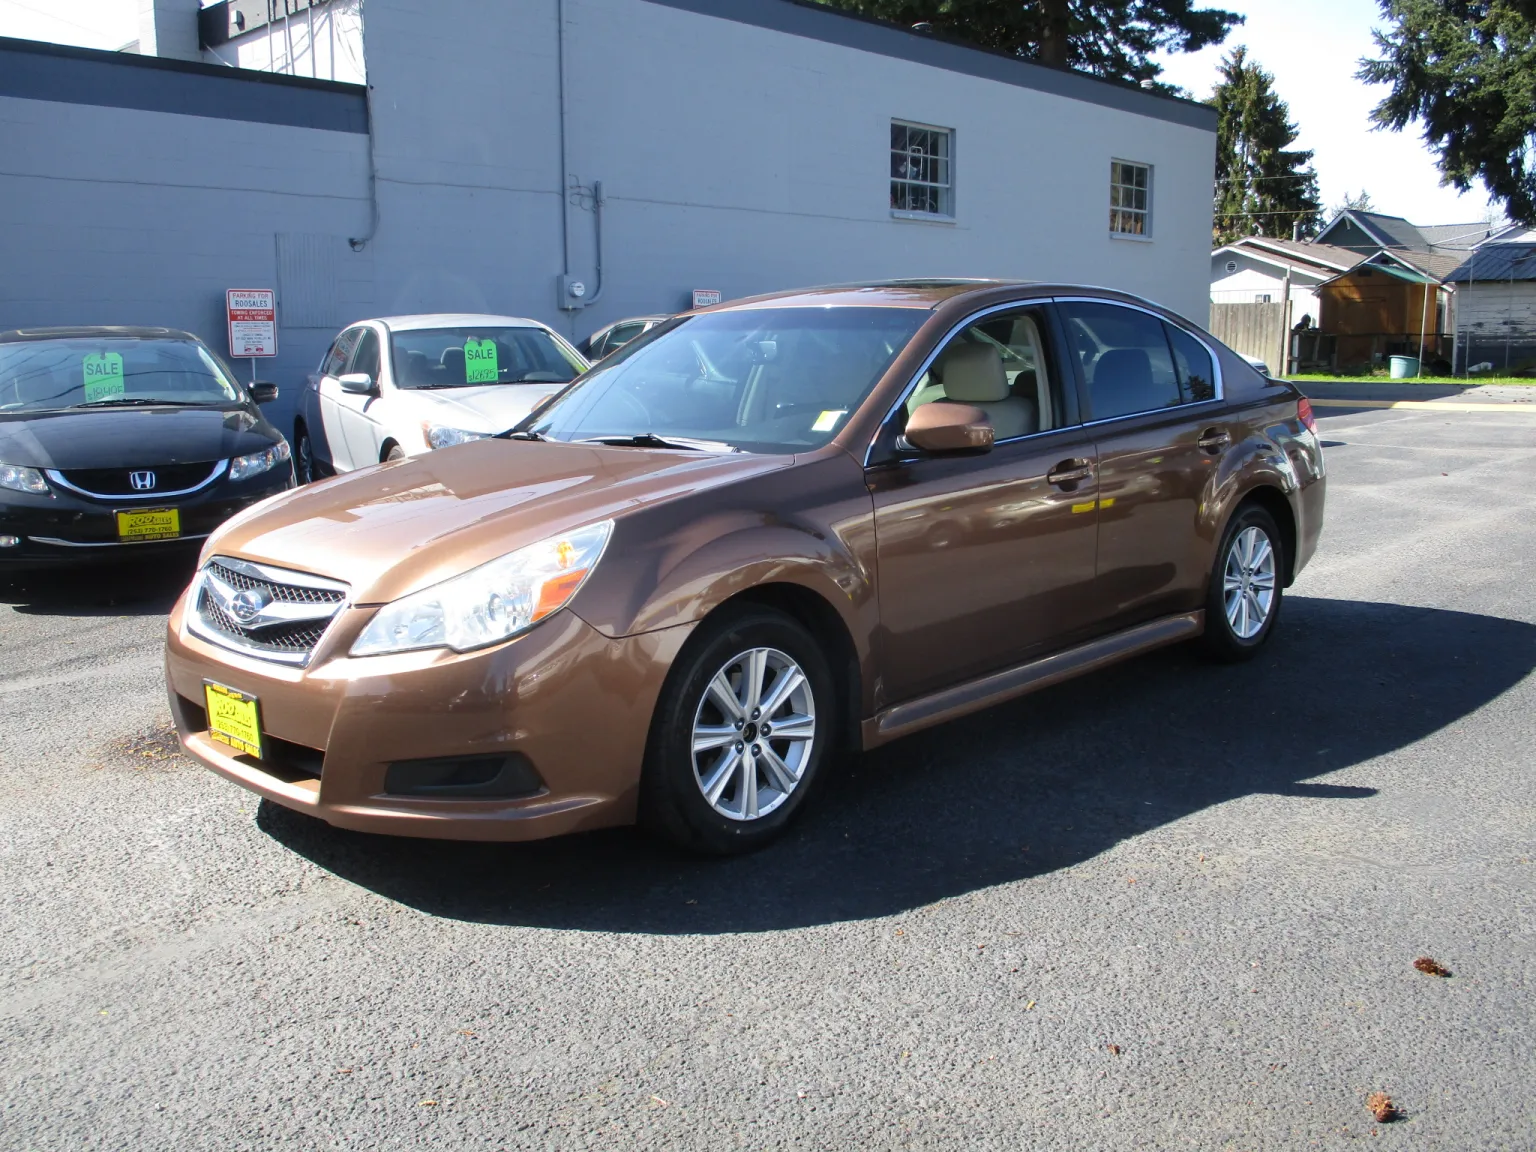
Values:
[(1150, 397)]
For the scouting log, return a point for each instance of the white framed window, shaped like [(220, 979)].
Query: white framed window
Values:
[(1130, 198), (922, 170)]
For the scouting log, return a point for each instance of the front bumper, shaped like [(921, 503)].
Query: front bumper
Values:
[(66, 528), (571, 702)]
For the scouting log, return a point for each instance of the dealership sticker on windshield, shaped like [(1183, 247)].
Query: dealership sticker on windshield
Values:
[(480, 362), (828, 420), (103, 376)]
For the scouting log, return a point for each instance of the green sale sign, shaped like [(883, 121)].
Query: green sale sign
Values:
[(103, 376), (480, 362)]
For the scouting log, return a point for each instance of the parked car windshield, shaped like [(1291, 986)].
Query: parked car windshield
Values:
[(473, 357), (38, 375), (774, 380)]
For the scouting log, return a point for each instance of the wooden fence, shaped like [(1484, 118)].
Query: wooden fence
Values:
[(1254, 330)]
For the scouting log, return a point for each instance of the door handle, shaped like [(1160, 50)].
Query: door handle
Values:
[(1214, 439), (1069, 472)]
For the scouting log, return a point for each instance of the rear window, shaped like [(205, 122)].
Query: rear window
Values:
[(473, 357), (39, 375)]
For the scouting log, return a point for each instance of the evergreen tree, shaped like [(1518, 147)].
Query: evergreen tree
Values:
[(1466, 71), (1263, 186), (1114, 39)]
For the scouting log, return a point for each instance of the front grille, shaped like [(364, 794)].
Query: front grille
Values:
[(119, 481), (289, 593), (288, 637), (283, 614)]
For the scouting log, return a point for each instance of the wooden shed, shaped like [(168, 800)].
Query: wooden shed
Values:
[(1385, 307)]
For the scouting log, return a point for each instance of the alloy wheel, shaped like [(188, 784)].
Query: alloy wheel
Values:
[(753, 733), (1248, 582)]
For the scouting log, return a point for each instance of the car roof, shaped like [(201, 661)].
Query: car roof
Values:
[(453, 320), (94, 331), (917, 293)]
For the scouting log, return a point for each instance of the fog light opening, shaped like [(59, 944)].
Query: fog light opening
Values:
[(494, 777)]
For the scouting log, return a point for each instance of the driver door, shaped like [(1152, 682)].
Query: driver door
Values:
[(986, 559), (328, 388), (360, 414)]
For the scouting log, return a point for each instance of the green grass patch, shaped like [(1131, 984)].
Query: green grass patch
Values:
[(1460, 381)]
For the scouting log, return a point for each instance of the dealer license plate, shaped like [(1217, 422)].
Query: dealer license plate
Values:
[(149, 524), (234, 718)]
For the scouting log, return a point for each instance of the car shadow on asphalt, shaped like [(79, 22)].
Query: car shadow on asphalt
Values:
[(120, 588), (1026, 788)]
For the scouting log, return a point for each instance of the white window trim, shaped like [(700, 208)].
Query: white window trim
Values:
[(1146, 236), (927, 217)]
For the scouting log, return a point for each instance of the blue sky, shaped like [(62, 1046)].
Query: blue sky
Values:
[(1311, 47)]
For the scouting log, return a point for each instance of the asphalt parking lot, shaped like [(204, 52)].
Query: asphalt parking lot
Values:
[(1171, 905)]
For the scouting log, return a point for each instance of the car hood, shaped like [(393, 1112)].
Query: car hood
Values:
[(131, 437), (492, 408), (392, 529)]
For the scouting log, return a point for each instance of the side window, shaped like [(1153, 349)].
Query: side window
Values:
[(336, 359), (621, 335), (1197, 376), (367, 358), (1002, 365), (1125, 359)]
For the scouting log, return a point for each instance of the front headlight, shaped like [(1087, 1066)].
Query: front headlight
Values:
[(19, 479), (488, 604), (443, 436), (244, 467)]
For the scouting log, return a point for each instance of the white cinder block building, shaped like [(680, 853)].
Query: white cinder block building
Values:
[(502, 153)]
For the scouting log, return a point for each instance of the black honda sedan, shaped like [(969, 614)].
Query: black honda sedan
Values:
[(118, 441)]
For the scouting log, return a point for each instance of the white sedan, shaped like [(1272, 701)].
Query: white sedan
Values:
[(402, 385)]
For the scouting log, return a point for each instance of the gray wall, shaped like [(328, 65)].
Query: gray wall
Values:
[(130, 215), (748, 158), (745, 154), (1496, 322)]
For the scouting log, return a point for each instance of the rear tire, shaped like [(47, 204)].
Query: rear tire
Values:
[(742, 736), (395, 453), (1242, 605)]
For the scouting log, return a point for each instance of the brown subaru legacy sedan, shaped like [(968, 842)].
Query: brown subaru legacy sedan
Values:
[(762, 536)]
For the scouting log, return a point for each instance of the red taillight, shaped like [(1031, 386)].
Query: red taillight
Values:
[(1304, 414)]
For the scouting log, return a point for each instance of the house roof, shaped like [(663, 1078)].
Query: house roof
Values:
[(1328, 256), (1459, 237), (1437, 265), (1497, 262), (1388, 231)]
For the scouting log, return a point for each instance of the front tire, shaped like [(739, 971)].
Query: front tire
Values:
[(1243, 601), (742, 735), (304, 455)]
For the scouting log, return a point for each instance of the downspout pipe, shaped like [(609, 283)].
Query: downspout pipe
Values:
[(565, 214)]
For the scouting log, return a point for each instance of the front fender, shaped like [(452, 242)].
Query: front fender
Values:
[(662, 570)]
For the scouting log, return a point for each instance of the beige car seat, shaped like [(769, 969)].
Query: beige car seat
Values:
[(973, 374)]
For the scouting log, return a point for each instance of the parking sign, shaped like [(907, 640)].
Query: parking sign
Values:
[(252, 321)]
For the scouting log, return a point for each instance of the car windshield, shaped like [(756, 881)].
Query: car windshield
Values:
[(473, 357), (775, 380), (83, 371)]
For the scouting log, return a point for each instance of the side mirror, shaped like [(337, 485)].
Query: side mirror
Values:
[(359, 383), (945, 426), (263, 392)]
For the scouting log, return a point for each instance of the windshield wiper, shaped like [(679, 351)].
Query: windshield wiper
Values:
[(132, 401), (524, 434), (651, 440)]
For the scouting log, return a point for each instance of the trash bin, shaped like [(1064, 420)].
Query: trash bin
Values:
[(1404, 367)]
